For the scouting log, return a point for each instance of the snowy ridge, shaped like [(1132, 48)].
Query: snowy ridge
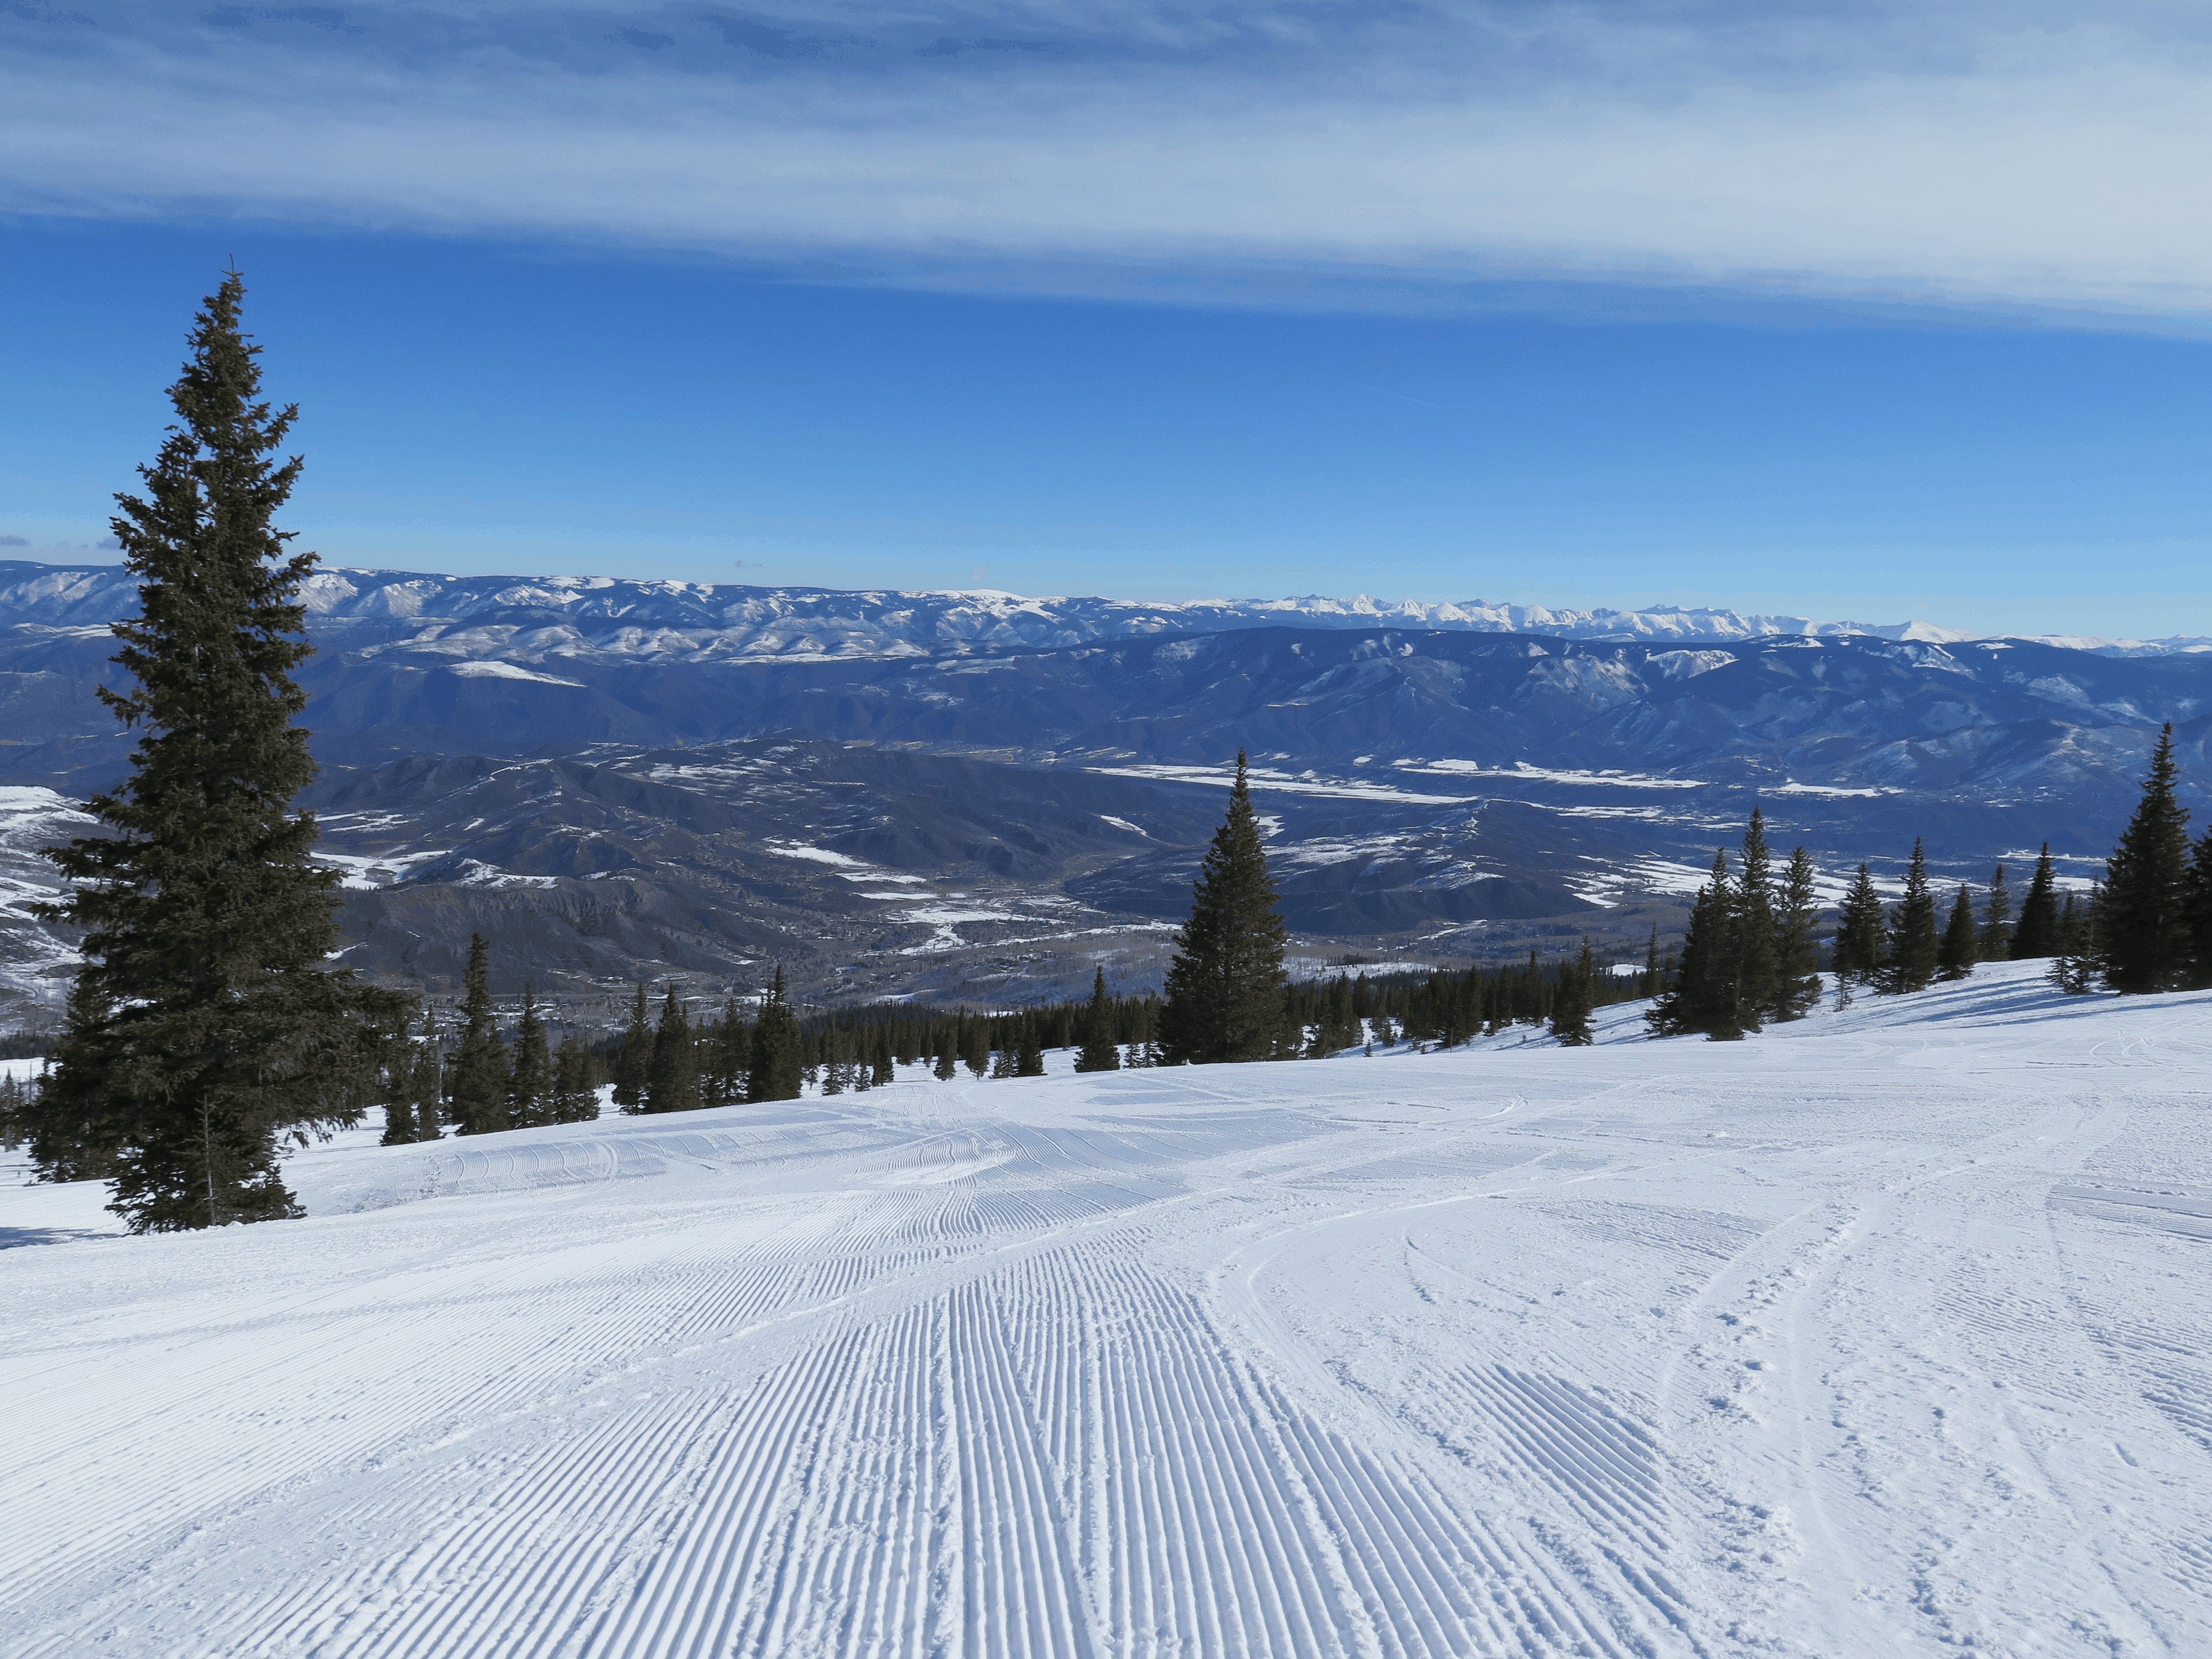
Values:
[(537, 615), (1881, 1335)]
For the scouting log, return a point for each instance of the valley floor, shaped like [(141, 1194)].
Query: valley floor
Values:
[(1889, 1333)]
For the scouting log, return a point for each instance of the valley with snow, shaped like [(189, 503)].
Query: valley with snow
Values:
[(1881, 1333)]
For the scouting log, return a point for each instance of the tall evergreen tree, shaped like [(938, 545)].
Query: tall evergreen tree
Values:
[(2038, 933), (1653, 981), (576, 1098), (634, 1063), (1914, 943), (2142, 926), (1571, 1005), (1703, 996), (2198, 915), (1797, 948), (480, 1066), (425, 1078), (1028, 1048), (530, 1082), (1995, 942), (672, 1085), (1858, 953), (208, 1027), (975, 1046), (1099, 1053), (776, 1062), (399, 1104), (1758, 969), (1225, 994), (1960, 946)]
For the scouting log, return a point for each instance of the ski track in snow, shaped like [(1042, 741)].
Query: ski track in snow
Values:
[(1883, 1334)]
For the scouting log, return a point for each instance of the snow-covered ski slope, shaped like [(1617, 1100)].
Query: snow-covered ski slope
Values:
[(1885, 1335)]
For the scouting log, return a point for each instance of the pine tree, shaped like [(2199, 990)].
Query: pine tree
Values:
[(1654, 979), (975, 1047), (1959, 947), (1225, 986), (1758, 971), (672, 1084), (530, 1082), (776, 1061), (948, 1054), (1571, 1007), (2198, 916), (2038, 933), (208, 1028), (1797, 949), (426, 1073), (480, 1068), (1913, 943), (634, 1064), (1703, 997), (1099, 1053), (1858, 953), (1028, 1049), (1995, 943), (398, 1106), (575, 1100), (2143, 931)]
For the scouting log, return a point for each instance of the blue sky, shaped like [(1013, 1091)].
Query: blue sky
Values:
[(1853, 310)]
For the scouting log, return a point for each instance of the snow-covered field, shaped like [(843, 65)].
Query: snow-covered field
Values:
[(1884, 1335)]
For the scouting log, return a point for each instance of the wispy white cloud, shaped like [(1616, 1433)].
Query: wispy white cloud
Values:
[(1946, 154)]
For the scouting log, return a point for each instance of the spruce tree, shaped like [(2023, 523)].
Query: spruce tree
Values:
[(1797, 948), (634, 1063), (672, 1084), (1995, 942), (885, 1069), (1702, 998), (1914, 943), (1758, 969), (2142, 928), (207, 1028), (480, 1066), (776, 1058), (1959, 948), (426, 1073), (1571, 1007), (1653, 981), (2198, 915), (1858, 952), (975, 1046), (530, 1083), (1099, 1053), (1028, 1048), (575, 1100), (2038, 933), (398, 1106), (1225, 989)]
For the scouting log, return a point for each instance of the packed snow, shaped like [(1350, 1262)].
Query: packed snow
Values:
[(1881, 1335)]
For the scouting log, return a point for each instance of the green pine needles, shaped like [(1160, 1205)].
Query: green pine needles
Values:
[(1226, 986), (205, 1030)]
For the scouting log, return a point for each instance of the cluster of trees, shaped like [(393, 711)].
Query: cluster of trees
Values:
[(482, 1085)]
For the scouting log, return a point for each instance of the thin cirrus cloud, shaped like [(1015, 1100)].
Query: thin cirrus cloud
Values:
[(1942, 153)]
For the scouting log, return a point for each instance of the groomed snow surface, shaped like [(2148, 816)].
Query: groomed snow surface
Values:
[(1885, 1335)]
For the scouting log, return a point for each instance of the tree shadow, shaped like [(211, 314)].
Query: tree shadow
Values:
[(10, 1238)]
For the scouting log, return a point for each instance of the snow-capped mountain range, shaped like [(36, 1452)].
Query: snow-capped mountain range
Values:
[(978, 795), (532, 617)]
